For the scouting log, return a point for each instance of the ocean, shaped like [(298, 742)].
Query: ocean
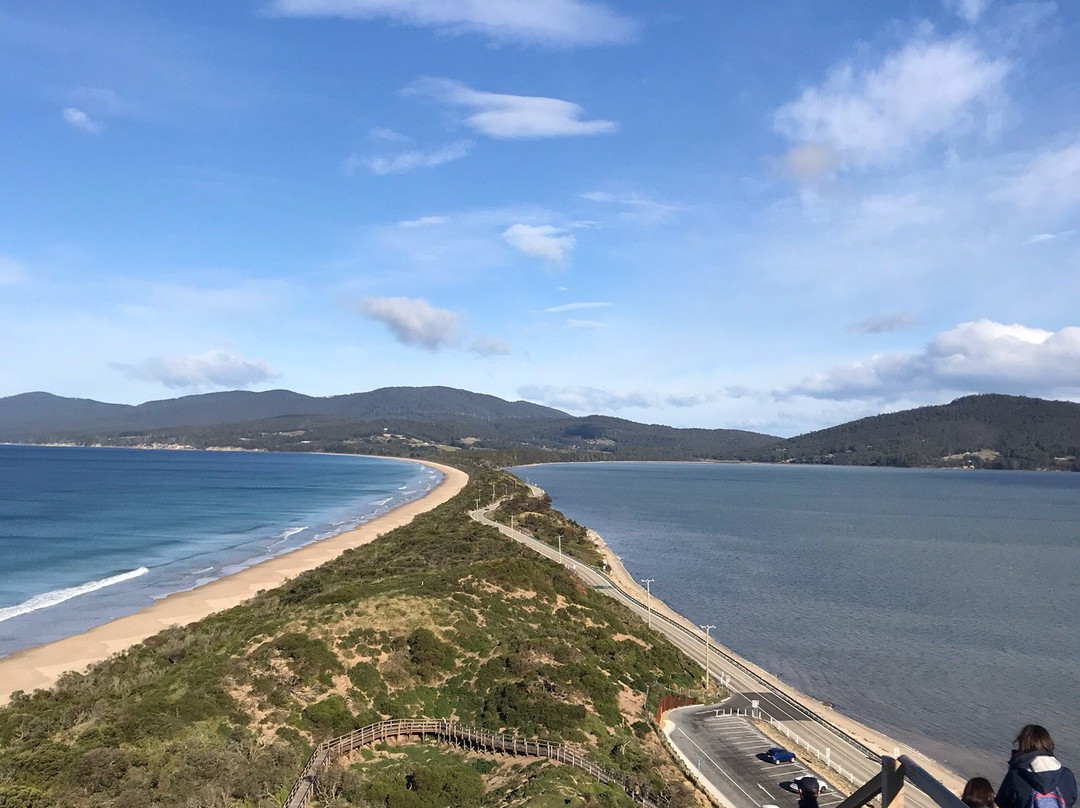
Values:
[(936, 606), (87, 535)]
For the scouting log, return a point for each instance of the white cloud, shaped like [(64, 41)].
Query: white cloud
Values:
[(414, 159), (541, 241), (927, 90), (11, 271), (883, 323), (969, 10), (577, 306), (413, 321), (486, 345), (423, 221), (77, 119), (808, 162), (388, 135), (585, 324), (512, 116), (638, 207), (982, 356), (585, 399), (559, 23), (599, 400), (212, 369), (1050, 180), (1039, 238)]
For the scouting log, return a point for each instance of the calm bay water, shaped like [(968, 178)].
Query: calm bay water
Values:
[(936, 606), (87, 535)]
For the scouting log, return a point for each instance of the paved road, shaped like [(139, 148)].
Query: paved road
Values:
[(728, 750), (857, 762)]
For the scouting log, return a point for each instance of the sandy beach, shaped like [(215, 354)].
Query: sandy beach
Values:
[(42, 665)]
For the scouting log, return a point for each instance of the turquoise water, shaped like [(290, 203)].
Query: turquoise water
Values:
[(87, 535), (937, 606)]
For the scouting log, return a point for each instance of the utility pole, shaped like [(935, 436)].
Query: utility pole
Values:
[(648, 595), (493, 493), (707, 629), (560, 548)]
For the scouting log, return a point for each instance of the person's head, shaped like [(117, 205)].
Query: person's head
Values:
[(809, 786), (1034, 738), (978, 793)]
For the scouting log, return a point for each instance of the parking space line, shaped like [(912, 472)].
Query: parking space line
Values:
[(715, 765)]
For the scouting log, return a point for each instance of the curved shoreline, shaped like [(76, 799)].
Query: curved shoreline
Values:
[(40, 666)]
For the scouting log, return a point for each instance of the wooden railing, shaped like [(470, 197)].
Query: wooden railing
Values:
[(896, 774), (459, 735)]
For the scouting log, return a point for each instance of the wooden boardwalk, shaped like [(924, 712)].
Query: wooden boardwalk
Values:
[(463, 736)]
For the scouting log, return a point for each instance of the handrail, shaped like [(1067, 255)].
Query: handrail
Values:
[(890, 784), (460, 735)]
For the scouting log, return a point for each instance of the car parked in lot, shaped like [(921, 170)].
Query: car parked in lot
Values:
[(819, 786), (779, 754)]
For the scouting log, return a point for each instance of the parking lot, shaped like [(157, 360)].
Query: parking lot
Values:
[(729, 751)]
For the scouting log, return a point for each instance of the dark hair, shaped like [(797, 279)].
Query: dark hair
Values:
[(978, 793), (1033, 738)]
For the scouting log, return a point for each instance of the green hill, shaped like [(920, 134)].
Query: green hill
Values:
[(983, 431)]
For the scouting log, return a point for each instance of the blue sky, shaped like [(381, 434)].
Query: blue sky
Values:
[(774, 216)]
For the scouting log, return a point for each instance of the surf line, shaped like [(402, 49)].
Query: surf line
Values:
[(47, 599)]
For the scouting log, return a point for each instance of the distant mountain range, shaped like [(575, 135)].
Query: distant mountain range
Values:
[(34, 415), (984, 431)]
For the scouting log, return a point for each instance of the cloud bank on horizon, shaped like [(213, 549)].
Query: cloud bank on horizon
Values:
[(771, 219)]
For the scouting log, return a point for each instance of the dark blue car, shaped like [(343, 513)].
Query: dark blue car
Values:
[(779, 755)]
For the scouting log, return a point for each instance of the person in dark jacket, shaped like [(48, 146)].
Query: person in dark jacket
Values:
[(1033, 769), (808, 792)]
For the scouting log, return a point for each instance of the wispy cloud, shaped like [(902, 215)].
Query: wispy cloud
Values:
[(214, 368), (77, 119), (385, 135), (591, 400), (1039, 238), (636, 207), (1050, 180), (585, 399), (415, 158), (512, 116), (489, 346), (413, 321), (577, 306), (540, 241), (928, 89), (556, 23), (423, 221), (585, 324), (883, 323), (969, 10), (982, 356)]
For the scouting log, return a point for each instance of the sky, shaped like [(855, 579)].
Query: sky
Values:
[(775, 216)]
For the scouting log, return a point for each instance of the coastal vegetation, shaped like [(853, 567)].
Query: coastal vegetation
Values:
[(442, 618)]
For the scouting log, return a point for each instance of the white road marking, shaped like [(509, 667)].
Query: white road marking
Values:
[(715, 765)]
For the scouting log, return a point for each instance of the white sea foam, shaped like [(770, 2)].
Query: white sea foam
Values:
[(288, 534), (47, 599)]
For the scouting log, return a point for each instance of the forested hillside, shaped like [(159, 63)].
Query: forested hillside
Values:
[(987, 431)]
